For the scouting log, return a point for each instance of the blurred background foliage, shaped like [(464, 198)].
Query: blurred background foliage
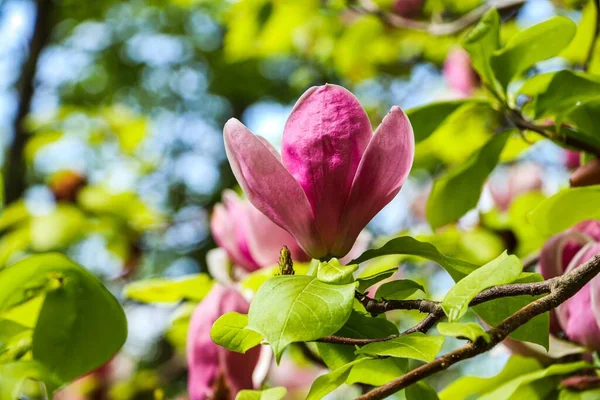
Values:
[(112, 113)]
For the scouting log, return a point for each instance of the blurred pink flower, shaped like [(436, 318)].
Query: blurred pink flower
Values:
[(250, 239), (572, 159), (521, 179), (408, 8), (459, 74), (212, 368), (334, 174), (579, 316)]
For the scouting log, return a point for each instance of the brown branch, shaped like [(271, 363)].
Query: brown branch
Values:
[(434, 29), (561, 288), (15, 164)]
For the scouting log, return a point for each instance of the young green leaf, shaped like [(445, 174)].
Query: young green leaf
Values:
[(426, 119), (290, 309), (565, 90), (508, 389), (458, 191), (368, 281), (230, 332), (164, 290), (470, 387), (333, 272), (276, 393), (407, 245), (377, 372), (579, 48), (420, 391), (535, 330), (549, 217), (469, 330), (502, 270), (531, 46), (398, 290), (77, 310), (9, 330), (327, 383), (417, 346), (481, 42), (12, 375)]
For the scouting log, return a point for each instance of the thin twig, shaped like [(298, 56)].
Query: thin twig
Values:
[(561, 288), (434, 29)]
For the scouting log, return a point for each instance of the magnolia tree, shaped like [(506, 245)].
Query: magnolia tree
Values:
[(297, 276)]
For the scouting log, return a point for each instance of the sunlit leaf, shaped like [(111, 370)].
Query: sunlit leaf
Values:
[(297, 308), (502, 270), (13, 374), (458, 191), (276, 393), (333, 272), (420, 391), (481, 42), (230, 332), (468, 330), (417, 346), (327, 383), (164, 290), (398, 290)]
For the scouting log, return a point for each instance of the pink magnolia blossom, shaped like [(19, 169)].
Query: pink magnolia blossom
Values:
[(250, 239), (572, 159), (459, 74), (210, 366), (334, 174), (579, 316)]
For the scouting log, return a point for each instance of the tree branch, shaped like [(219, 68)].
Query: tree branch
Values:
[(561, 288), (434, 29), (15, 163)]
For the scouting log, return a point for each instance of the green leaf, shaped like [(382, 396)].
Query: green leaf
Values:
[(469, 330), (164, 290), (565, 90), (77, 310), (332, 272), (458, 191), (426, 119), (550, 216), (502, 270), (592, 394), (535, 330), (417, 346), (327, 383), (536, 84), (371, 372), (481, 42), (8, 330), (368, 281), (276, 393), (407, 245), (229, 331), (470, 387), (579, 48), (420, 391), (299, 308), (508, 389), (535, 44), (398, 290), (13, 374), (583, 115)]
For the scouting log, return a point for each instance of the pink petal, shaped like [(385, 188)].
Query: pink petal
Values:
[(238, 211), (382, 171), (576, 315), (459, 74), (222, 226), (323, 142), (270, 187), (266, 240), (590, 228), (206, 360), (558, 251)]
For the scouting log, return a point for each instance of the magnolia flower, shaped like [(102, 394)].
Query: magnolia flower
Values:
[(334, 174), (250, 239), (579, 316), (213, 371), (459, 74)]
